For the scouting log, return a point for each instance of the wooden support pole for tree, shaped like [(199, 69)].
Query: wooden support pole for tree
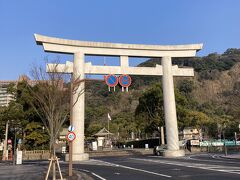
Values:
[(60, 173), (49, 167), (52, 164)]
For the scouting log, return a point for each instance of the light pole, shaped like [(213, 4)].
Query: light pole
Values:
[(5, 155), (43, 128)]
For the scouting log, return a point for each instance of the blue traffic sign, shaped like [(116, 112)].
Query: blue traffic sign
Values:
[(71, 128), (111, 80), (125, 80)]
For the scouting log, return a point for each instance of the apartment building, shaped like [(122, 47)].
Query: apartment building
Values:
[(5, 97)]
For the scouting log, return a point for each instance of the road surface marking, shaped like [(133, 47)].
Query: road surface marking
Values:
[(135, 169), (97, 176), (213, 156), (192, 165), (94, 174)]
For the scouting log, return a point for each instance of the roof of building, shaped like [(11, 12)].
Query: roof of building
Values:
[(103, 132)]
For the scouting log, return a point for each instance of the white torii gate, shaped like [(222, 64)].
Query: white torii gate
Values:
[(79, 68)]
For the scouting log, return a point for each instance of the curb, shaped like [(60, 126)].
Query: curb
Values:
[(229, 157)]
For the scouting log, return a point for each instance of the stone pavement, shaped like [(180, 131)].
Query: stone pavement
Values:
[(36, 171), (232, 156), (21, 172)]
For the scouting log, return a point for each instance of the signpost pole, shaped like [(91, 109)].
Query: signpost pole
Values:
[(70, 142), (108, 128)]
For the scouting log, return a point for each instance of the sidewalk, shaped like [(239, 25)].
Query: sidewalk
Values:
[(34, 171), (232, 156)]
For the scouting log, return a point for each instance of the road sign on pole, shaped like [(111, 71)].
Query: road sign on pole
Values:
[(71, 136), (125, 81), (111, 80), (71, 128)]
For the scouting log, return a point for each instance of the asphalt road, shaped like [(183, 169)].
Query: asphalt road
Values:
[(199, 167)]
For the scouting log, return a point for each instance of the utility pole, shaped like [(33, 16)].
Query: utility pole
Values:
[(5, 155)]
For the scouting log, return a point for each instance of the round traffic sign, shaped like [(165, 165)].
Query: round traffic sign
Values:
[(71, 128), (125, 80), (111, 80), (71, 136)]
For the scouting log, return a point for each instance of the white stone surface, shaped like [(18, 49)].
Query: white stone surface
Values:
[(78, 108), (176, 153), (51, 44), (148, 71), (78, 157), (124, 61), (40, 39), (169, 105)]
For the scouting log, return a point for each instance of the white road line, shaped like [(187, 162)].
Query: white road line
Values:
[(213, 156), (94, 174), (135, 169), (191, 165), (98, 176), (142, 170)]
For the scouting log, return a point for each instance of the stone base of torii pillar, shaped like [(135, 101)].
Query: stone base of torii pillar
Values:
[(80, 157), (175, 153)]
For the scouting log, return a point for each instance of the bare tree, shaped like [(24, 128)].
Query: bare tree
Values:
[(51, 93)]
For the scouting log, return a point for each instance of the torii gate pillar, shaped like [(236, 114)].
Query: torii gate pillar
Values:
[(79, 68), (78, 110), (170, 110)]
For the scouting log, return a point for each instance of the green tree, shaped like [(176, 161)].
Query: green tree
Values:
[(149, 112), (35, 136)]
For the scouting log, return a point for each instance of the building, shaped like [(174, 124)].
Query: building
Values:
[(103, 138), (5, 96), (189, 133)]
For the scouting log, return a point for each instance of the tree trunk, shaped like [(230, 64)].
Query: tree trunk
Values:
[(54, 162)]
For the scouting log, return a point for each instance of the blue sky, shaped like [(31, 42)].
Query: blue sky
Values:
[(216, 23)]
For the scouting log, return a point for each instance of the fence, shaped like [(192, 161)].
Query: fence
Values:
[(36, 155)]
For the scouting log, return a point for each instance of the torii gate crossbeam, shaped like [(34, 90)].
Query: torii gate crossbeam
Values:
[(79, 68)]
